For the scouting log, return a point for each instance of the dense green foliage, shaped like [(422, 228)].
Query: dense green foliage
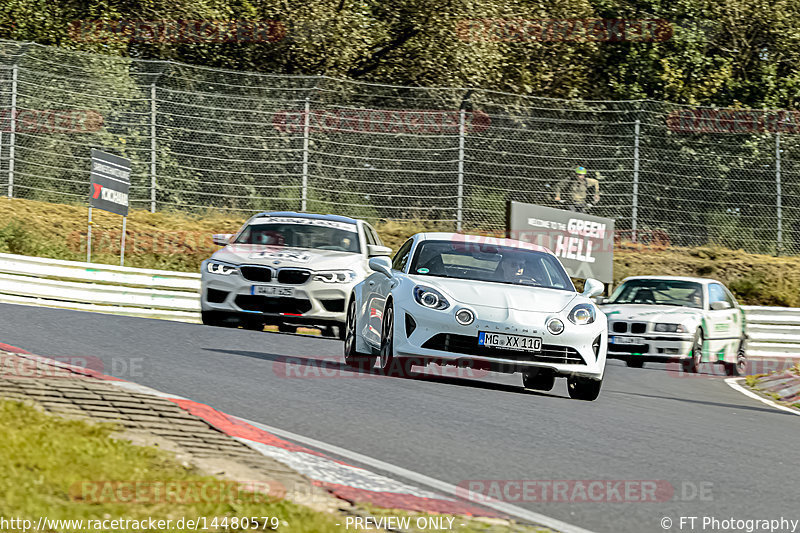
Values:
[(736, 52)]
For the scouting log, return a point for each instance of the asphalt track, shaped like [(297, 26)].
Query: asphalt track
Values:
[(695, 433)]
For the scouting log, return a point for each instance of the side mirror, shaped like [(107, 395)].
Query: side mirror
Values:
[(381, 264), (222, 239), (720, 306), (374, 250), (592, 287), (600, 300)]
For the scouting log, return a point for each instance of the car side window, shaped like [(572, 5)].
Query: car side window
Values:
[(378, 240), (401, 257), (731, 299), (717, 293), (372, 235), (369, 234)]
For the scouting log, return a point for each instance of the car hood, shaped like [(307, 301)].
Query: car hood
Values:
[(670, 314), (279, 257), (500, 295)]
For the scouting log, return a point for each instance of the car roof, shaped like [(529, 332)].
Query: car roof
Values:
[(481, 239), (316, 216), (704, 281)]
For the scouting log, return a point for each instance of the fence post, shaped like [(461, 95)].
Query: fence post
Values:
[(635, 202), (460, 197), (306, 134), (152, 147), (779, 200), (13, 129)]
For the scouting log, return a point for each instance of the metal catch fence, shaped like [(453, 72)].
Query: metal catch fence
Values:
[(203, 138)]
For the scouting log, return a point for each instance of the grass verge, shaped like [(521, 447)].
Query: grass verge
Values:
[(180, 241), (43, 458)]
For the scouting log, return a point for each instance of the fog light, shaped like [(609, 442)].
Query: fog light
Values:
[(465, 317), (555, 326)]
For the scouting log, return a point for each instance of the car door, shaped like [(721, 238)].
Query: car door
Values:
[(723, 324), (378, 287)]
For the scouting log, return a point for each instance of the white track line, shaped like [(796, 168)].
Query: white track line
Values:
[(447, 488), (734, 385)]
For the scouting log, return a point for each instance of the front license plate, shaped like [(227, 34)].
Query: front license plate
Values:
[(272, 290), (625, 340), (510, 342)]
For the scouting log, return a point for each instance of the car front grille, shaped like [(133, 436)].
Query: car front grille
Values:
[(268, 304), (622, 327), (256, 273), (468, 345), (293, 276)]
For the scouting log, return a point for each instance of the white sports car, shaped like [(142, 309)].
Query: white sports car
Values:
[(498, 304), (288, 269), (669, 318)]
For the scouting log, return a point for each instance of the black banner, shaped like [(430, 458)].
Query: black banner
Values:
[(110, 182)]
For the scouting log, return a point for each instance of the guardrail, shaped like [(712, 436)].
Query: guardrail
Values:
[(774, 331), (100, 288)]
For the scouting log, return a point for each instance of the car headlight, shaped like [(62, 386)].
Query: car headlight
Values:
[(670, 328), (582, 314), (430, 298), (335, 276), (220, 268)]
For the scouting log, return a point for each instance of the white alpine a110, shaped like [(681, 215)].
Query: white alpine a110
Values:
[(668, 318), (498, 304)]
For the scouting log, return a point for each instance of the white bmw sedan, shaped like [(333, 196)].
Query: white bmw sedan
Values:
[(672, 318), (288, 269), (498, 304)]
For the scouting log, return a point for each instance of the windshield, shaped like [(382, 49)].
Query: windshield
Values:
[(659, 292), (486, 262), (303, 233)]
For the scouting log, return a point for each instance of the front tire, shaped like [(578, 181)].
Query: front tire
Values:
[(216, 318), (253, 325), (693, 364), (388, 363), (541, 380), (352, 357), (287, 328), (739, 368), (585, 389)]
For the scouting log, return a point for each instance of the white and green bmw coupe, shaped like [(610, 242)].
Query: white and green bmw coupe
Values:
[(669, 318)]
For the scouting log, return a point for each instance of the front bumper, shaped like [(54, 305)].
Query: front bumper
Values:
[(437, 337), (313, 302), (652, 348)]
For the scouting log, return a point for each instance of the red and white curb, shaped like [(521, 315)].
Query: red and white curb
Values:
[(345, 481), (734, 384), (341, 479)]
